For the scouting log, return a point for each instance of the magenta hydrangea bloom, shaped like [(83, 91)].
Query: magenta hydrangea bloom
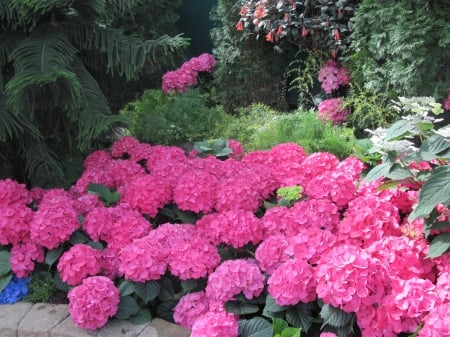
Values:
[(348, 277), (235, 227), (292, 282), (433, 323), (333, 75), (110, 262), (204, 62), (272, 252), (93, 302), (192, 257), (143, 261), (14, 223), (408, 303), (216, 324), (447, 101), (196, 191), (147, 194), (316, 213), (55, 220), (237, 148), (328, 334), (367, 220), (122, 171), (310, 244), (23, 256), (79, 262), (233, 277), (124, 146), (190, 307), (13, 192), (333, 110)]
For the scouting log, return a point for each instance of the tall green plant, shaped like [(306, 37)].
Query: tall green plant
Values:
[(51, 107), (402, 47)]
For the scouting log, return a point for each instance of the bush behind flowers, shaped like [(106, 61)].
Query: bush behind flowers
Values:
[(344, 261)]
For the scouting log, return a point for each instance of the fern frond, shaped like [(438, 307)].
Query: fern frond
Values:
[(41, 65), (89, 10), (43, 166), (12, 125), (39, 7), (125, 55), (94, 116), (9, 41)]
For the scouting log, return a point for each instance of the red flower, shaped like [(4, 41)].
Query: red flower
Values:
[(260, 12), (280, 30), (240, 25), (244, 10), (270, 36), (336, 35), (304, 31)]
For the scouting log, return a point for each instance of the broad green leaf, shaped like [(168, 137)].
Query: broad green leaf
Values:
[(127, 307), (60, 284), (435, 144), (165, 310), (255, 327), (291, 332), (436, 190), (378, 171), (224, 152), (398, 129), (5, 265), (53, 255), (4, 281), (167, 292), (334, 316), (398, 172), (279, 325), (240, 308), (300, 316), (78, 237), (126, 288), (147, 291), (142, 317), (439, 245), (188, 285), (96, 245), (272, 307)]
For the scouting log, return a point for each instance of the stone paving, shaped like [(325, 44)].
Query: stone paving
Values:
[(24, 319)]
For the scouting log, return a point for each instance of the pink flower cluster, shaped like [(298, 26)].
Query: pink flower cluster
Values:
[(346, 243), (447, 102), (93, 302), (333, 75), (333, 110), (179, 80)]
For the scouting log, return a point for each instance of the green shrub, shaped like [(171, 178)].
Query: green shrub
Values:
[(41, 289), (259, 127), (174, 119)]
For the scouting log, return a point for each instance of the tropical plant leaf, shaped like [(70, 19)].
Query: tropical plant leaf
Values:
[(255, 327), (439, 245)]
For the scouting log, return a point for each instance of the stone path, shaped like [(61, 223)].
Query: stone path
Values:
[(24, 319)]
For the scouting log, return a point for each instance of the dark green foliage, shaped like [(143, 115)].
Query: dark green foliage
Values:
[(51, 106), (41, 288), (402, 47), (174, 119), (248, 70)]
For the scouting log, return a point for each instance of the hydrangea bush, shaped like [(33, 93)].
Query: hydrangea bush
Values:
[(150, 230)]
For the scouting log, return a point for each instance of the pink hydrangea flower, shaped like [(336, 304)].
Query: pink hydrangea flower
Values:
[(433, 323), (124, 146), (190, 308), (333, 75), (192, 257), (310, 244), (143, 261), (235, 227), (122, 171), (272, 252), (237, 148), (79, 262), (328, 334), (93, 302), (203, 62), (23, 256), (216, 324), (348, 277), (13, 192), (408, 303), (233, 277), (196, 191), (333, 110), (447, 101), (14, 223), (293, 282), (110, 262), (147, 194), (368, 219), (55, 220)]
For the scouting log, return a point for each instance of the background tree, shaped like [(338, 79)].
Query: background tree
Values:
[(52, 111)]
